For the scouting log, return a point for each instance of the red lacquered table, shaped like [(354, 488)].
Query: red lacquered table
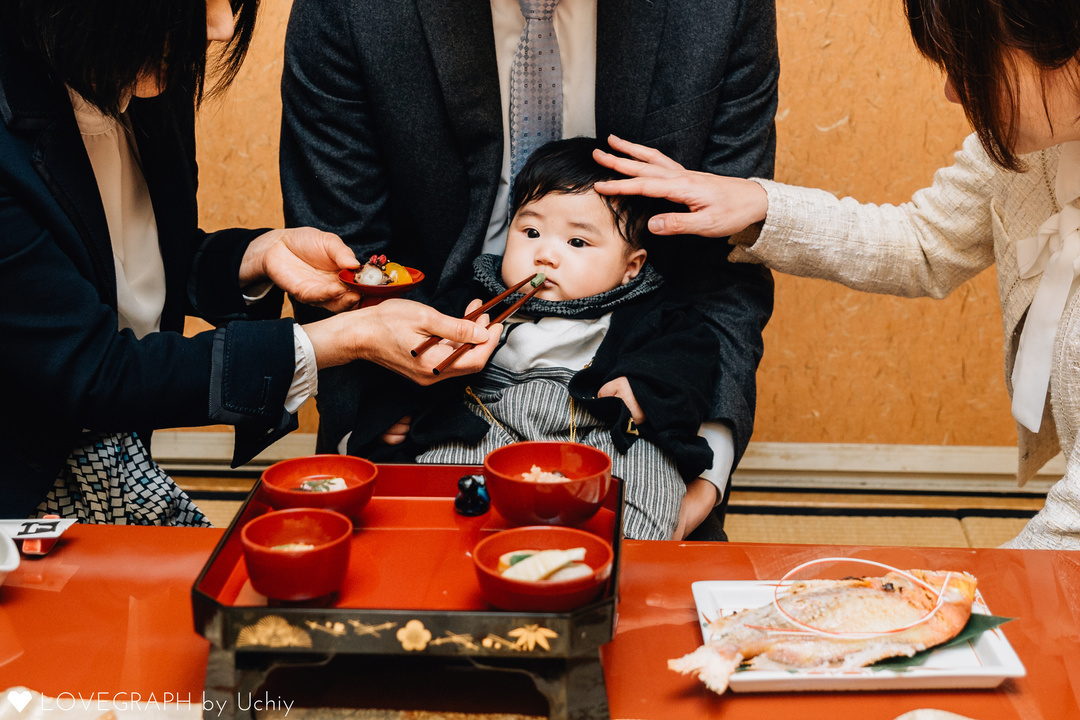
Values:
[(109, 612)]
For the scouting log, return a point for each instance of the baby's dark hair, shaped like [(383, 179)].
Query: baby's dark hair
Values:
[(567, 167)]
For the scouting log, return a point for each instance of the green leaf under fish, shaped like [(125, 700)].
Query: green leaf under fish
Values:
[(977, 624)]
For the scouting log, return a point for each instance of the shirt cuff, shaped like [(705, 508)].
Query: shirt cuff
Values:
[(305, 382), (718, 436), (256, 291)]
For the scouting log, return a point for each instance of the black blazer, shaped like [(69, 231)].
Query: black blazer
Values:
[(392, 138), (65, 365)]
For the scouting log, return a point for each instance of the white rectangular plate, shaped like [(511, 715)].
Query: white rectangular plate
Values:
[(982, 663)]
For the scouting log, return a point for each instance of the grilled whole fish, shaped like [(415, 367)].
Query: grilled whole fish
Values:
[(767, 640)]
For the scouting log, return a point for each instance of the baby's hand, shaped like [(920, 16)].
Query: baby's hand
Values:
[(396, 434), (620, 388)]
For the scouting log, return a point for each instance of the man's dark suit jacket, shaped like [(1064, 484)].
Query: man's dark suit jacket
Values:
[(392, 137), (64, 365)]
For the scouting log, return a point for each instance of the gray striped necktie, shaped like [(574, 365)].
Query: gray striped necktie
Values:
[(535, 85)]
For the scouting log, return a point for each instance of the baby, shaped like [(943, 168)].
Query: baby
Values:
[(602, 354)]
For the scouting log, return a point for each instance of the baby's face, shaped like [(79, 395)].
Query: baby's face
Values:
[(573, 240)]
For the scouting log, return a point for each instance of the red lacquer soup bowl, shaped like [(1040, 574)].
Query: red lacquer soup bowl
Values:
[(570, 500), (282, 482), (297, 554), (541, 595)]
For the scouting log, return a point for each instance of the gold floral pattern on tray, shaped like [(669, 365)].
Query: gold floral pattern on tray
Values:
[(337, 629), (374, 630), (530, 636), (414, 636), (273, 631), (276, 632), (465, 640), (527, 638)]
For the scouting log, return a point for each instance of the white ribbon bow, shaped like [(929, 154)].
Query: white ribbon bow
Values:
[(1055, 253)]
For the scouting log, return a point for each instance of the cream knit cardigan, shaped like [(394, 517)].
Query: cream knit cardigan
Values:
[(968, 219)]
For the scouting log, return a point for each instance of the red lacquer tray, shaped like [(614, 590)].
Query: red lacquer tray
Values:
[(410, 588)]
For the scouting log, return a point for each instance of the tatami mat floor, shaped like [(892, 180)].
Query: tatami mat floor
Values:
[(849, 528), (873, 530), (219, 512)]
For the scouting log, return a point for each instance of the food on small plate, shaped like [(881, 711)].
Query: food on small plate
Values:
[(535, 474), (844, 624), (544, 565), (378, 271), (323, 484)]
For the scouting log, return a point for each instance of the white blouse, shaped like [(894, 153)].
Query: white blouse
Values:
[(1052, 254), (140, 270)]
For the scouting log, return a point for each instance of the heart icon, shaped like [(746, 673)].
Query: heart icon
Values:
[(19, 699)]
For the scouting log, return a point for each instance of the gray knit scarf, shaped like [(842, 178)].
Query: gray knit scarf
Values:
[(487, 270)]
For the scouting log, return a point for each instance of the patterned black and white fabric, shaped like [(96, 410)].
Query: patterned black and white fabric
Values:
[(111, 479), (535, 405)]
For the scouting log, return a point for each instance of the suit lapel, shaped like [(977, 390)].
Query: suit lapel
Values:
[(462, 45), (168, 170), (33, 104), (627, 41), (60, 159), (461, 40)]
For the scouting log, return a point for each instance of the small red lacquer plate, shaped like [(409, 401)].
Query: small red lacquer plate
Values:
[(373, 294)]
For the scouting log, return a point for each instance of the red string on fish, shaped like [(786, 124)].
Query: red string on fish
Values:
[(806, 629)]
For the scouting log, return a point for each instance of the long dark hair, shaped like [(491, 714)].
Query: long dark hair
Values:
[(99, 48), (567, 167), (972, 41)]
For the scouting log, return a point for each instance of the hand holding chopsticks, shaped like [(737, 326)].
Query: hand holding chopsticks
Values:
[(536, 281)]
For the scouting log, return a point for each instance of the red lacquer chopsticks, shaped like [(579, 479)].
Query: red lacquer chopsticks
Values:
[(537, 282)]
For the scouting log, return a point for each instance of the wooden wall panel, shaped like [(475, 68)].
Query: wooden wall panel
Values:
[(860, 114)]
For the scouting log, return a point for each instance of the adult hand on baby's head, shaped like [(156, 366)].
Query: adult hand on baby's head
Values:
[(718, 206), (303, 262), (386, 333)]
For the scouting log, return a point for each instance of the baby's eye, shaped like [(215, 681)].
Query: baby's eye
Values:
[(576, 242), (532, 233)]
